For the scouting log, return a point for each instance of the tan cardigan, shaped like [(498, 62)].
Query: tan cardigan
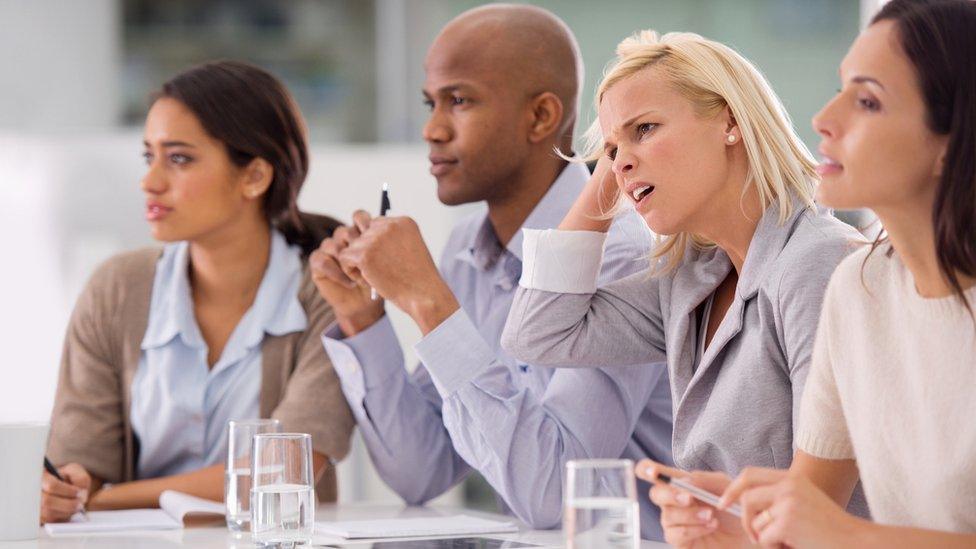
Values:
[(90, 423)]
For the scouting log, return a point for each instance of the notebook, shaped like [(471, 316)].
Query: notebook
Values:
[(457, 525), (176, 509)]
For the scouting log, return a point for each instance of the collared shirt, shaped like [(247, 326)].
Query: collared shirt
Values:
[(737, 405), (472, 405), (180, 406)]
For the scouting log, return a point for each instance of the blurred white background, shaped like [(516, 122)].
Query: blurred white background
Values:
[(74, 78)]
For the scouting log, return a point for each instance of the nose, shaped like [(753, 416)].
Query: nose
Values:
[(153, 182), (437, 129), (825, 121), (624, 161)]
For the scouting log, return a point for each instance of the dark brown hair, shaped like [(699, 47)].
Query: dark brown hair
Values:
[(939, 38), (254, 116)]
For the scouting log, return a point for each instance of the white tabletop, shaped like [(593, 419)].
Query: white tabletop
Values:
[(213, 537)]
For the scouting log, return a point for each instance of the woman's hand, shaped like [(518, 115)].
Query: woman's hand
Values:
[(591, 211), (687, 522), (60, 500), (780, 508)]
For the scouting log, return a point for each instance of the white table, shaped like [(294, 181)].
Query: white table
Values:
[(214, 537)]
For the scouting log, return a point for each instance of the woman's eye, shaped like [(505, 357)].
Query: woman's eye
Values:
[(429, 104), (148, 157), (179, 159), (644, 129), (868, 103), (612, 153)]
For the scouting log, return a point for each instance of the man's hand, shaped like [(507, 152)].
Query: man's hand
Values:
[(350, 299), (60, 500), (390, 255)]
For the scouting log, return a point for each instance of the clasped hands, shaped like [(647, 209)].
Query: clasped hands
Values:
[(385, 254)]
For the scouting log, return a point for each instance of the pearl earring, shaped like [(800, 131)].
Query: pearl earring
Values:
[(731, 139)]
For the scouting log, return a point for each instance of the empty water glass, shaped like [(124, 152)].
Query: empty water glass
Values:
[(237, 475), (282, 490), (601, 505)]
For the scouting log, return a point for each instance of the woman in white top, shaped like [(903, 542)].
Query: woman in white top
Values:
[(890, 395)]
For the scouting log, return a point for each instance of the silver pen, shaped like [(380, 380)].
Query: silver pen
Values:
[(699, 494)]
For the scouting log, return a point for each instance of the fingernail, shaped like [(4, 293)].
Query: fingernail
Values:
[(705, 515), (80, 506), (649, 471), (684, 498)]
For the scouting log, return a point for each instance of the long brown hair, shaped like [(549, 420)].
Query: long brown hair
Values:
[(939, 38), (254, 116)]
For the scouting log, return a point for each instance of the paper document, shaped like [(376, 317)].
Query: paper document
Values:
[(176, 509), (458, 525)]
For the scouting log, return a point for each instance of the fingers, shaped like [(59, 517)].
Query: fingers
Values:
[(772, 529), (77, 475), (361, 220), (750, 477), (663, 496), (694, 515), (649, 470), (324, 265), (680, 536), (56, 488), (754, 503), (57, 509)]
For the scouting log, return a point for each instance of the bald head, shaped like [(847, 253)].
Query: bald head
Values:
[(524, 49)]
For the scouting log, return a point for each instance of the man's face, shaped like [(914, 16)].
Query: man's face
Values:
[(478, 124)]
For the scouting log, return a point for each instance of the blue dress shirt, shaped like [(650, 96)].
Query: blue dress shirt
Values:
[(180, 406), (473, 406)]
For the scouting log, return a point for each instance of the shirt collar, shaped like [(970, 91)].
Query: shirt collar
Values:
[(276, 309), (767, 242), (483, 248)]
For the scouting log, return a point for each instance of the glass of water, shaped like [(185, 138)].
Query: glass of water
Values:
[(237, 475), (282, 490), (601, 505)]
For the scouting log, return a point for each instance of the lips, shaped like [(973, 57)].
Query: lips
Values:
[(639, 191), (440, 164), (156, 211), (828, 166)]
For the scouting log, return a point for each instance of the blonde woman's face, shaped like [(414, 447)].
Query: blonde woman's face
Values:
[(876, 148), (672, 164)]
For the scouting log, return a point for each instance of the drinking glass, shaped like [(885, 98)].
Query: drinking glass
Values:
[(282, 490), (601, 505), (237, 475)]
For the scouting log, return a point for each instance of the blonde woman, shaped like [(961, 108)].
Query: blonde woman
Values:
[(694, 138)]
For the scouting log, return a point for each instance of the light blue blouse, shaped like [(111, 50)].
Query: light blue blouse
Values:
[(180, 407)]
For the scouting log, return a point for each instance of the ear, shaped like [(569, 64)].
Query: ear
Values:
[(258, 175), (546, 116), (731, 135)]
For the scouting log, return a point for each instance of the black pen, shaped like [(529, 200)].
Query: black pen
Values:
[(384, 207), (49, 467)]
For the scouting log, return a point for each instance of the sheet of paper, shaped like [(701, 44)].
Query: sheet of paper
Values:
[(115, 521), (191, 510), (458, 525)]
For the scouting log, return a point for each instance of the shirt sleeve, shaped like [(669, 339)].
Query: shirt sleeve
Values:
[(560, 318), (87, 426), (520, 441), (823, 429), (398, 414)]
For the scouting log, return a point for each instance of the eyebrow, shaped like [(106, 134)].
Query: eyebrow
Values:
[(867, 80), (447, 89), (165, 144)]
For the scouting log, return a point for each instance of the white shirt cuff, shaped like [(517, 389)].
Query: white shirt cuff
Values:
[(566, 262)]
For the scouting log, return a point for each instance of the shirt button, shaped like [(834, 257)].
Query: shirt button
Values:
[(524, 368)]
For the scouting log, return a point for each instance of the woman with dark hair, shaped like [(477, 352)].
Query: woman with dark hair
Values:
[(890, 395), (166, 345)]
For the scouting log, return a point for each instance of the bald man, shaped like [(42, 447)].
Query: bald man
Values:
[(502, 84)]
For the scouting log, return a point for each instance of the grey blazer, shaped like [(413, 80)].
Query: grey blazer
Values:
[(738, 406)]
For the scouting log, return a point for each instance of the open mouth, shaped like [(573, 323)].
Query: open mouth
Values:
[(641, 192)]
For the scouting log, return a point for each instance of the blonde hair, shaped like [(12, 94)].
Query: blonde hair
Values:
[(714, 76)]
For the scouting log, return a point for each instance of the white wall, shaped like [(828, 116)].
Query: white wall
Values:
[(59, 65), (69, 202)]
